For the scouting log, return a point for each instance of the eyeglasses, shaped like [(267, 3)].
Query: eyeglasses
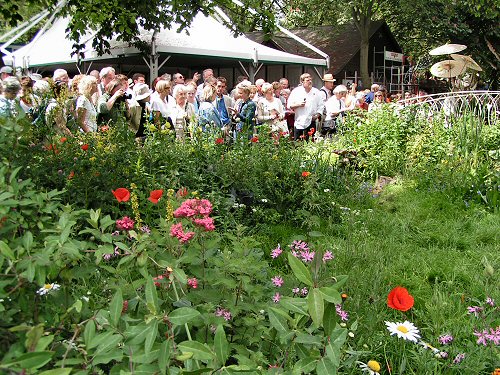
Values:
[(379, 96)]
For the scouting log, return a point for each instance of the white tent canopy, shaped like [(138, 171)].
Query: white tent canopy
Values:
[(206, 37)]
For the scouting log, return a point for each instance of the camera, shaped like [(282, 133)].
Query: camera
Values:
[(127, 96)]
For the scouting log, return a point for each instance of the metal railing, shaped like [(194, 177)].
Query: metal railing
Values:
[(483, 104)]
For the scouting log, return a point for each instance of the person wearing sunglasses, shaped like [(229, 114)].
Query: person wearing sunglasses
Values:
[(378, 101)]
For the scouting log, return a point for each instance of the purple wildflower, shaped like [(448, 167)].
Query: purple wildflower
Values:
[(490, 301), (226, 314), (299, 245), (107, 257), (494, 335), (304, 291), (344, 316), (474, 310), (443, 355), (445, 339), (276, 252), (277, 281), (328, 255), (307, 256), (481, 337), (296, 290), (276, 297), (459, 358), (145, 229)]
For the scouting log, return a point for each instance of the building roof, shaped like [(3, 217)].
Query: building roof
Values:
[(205, 37), (340, 42)]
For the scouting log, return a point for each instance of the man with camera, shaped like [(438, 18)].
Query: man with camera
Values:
[(111, 105)]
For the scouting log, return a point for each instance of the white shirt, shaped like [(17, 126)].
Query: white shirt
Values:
[(90, 113), (165, 107), (314, 104), (333, 105)]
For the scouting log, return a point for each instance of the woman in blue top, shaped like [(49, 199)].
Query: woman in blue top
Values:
[(244, 114), (208, 116)]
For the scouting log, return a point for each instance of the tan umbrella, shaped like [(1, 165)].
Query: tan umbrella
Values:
[(469, 62), (448, 68), (446, 49)]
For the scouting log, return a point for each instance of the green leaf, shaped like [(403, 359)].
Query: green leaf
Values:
[(304, 338), (199, 350), (183, 315), (28, 241), (316, 306), (180, 275), (116, 307), (6, 251), (89, 332), (151, 337), (277, 320), (57, 371), (300, 271), (106, 357), (297, 305), (315, 234), (331, 295), (333, 353), (151, 296), (30, 360), (340, 281), (164, 356), (221, 345), (325, 367), (304, 366), (329, 318)]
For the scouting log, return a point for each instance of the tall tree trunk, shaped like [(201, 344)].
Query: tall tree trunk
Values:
[(362, 13)]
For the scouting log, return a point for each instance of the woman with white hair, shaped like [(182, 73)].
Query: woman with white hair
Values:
[(160, 105), (270, 110), (207, 113), (335, 111), (183, 112), (86, 113), (9, 103)]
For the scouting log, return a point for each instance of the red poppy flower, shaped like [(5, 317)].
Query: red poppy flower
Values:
[(182, 192), (400, 299), (306, 174), (255, 139), (354, 140), (85, 147), (104, 128), (63, 139), (71, 175), (121, 194), (219, 141), (155, 195)]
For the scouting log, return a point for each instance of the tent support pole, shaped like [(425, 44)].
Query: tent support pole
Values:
[(251, 71), (244, 70), (88, 68), (318, 73), (257, 70), (164, 61)]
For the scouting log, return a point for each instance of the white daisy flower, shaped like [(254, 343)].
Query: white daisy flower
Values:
[(47, 288), (263, 200), (429, 346), (326, 190), (372, 367), (405, 330)]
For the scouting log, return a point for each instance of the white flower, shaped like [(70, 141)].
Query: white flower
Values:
[(85, 298), (351, 334), (372, 367), (429, 346), (48, 288), (405, 330), (326, 190), (263, 200)]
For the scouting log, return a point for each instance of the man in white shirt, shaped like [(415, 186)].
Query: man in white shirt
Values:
[(307, 103)]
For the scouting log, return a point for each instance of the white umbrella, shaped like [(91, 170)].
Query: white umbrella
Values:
[(469, 62), (448, 68), (447, 49)]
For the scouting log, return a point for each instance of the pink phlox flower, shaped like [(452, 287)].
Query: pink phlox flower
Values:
[(328, 255), (304, 291), (276, 252), (307, 256), (226, 314), (459, 358), (157, 280), (296, 290), (474, 310), (276, 297), (445, 339), (177, 231), (192, 282), (490, 301), (277, 281), (193, 207), (481, 337), (299, 245), (494, 335), (125, 223), (206, 223), (186, 237), (443, 355), (344, 316), (112, 255)]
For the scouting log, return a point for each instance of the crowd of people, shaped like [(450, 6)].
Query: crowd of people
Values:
[(87, 102)]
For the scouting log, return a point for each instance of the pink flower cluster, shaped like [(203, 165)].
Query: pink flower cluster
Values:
[(276, 252), (302, 291), (226, 314), (300, 249), (192, 283), (328, 255), (445, 339), (177, 231), (112, 255), (192, 207), (344, 316), (277, 281), (485, 336), (125, 223), (276, 297), (474, 310), (206, 223)]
